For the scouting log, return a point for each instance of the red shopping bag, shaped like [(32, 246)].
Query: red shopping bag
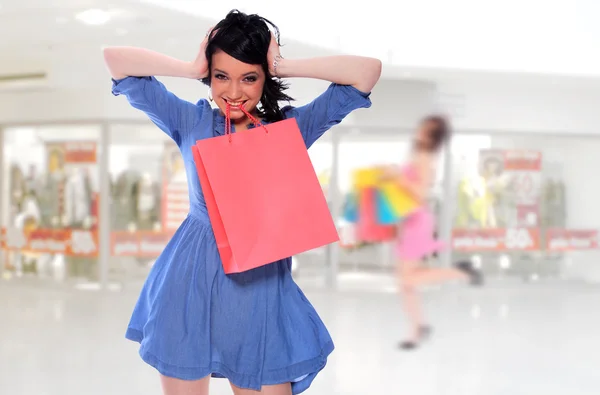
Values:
[(263, 197), (368, 227)]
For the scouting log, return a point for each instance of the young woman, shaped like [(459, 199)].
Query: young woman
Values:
[(256, 328), (416, 239)]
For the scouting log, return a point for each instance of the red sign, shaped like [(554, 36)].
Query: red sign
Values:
[(52, 241), (517, 239), (522, 160), (571, 239), (80, 152), (73, 242), (139, 244)]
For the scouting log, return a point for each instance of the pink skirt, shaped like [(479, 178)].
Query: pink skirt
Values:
[(415, 239)]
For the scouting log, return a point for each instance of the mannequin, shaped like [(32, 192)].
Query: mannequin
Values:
[(147, 203), (553, 204), (17, 185), (124, 202), (561, 203), (27, 220), (21, 210), (77, 214), (78, 199)]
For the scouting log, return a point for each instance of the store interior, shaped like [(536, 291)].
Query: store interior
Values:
[(514, 211), (91, 191)]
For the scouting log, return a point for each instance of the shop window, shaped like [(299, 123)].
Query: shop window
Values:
[(50, 213), (526, 205)]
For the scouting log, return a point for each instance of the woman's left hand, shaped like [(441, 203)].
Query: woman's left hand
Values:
[(272, 55)]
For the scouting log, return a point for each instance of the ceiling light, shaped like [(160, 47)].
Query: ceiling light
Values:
[(93, 17)]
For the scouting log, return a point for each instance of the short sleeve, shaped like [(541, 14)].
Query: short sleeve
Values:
[(327, 110), (174, 116)]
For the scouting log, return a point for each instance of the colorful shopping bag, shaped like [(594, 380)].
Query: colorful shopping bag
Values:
[(368, 228), (401, 202), (350, 208), (263, 197), (366, 178), (385, 213)]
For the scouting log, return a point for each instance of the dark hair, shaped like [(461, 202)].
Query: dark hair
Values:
[(439, 132), (247, 38)]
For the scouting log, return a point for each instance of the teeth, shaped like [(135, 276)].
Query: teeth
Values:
[(235, 104)]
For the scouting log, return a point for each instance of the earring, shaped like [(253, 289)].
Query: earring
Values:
[(210, 94)]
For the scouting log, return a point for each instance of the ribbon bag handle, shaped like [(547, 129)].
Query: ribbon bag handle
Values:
[(252, 118)]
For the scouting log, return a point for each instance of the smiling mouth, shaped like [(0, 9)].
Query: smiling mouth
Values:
[(235, 104)]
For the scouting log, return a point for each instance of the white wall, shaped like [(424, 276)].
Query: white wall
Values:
[(508, 109), (396, 105)]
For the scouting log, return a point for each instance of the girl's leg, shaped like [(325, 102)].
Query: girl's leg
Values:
[(279, 389), (424, 276), (411, 300), (173, 386)]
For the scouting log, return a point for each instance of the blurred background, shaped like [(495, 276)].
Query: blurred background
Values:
[(91, 191)]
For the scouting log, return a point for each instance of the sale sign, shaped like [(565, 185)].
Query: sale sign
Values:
[(80, 152), (481, 240), (514, 175), (139, 244), (571, 239), (70, 242)]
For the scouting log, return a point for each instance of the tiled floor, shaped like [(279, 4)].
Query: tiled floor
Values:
[(507, 338)]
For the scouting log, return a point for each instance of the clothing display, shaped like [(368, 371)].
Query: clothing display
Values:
[(77, 199), (553, 207), (18, 186), (124, 200), (48, 191), (147, 203), (289, 341), (135, 202), (59, 199)]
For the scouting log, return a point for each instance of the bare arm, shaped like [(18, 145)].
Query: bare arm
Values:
[(139, 62), (357, 71), (416, 189), (419, 188), (360, 72), (174, 116)]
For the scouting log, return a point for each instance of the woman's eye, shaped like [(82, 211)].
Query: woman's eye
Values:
[(220, 76), (251, 79)]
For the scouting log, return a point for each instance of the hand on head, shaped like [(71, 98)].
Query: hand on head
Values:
[(200, 63), (273, 56)]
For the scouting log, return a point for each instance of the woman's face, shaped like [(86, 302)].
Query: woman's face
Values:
[(423, 137), (236, 83)]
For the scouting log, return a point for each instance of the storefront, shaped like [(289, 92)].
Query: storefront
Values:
[(96, 203), (75, 213), (526, 205)]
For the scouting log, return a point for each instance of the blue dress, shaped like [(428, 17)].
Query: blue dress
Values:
[(192, 320)]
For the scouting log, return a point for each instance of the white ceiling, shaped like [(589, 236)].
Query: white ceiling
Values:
[(35, 27), (538, 36), (449, 41)]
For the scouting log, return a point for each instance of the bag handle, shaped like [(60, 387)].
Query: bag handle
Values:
[(253, 119)]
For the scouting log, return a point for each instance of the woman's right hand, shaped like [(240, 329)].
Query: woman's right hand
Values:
[(200, 64)]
